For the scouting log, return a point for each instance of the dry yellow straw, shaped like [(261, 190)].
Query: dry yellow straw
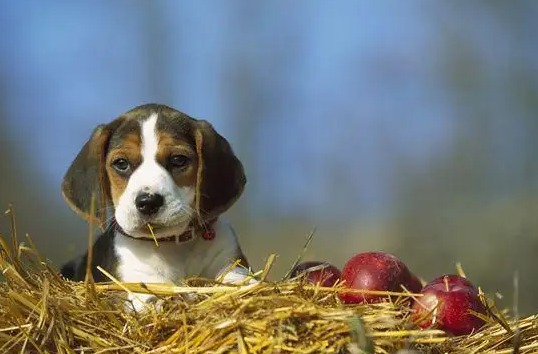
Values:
[(153, 235), (43, 313)]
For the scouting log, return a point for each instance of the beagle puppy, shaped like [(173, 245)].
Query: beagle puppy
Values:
[(160, 181)]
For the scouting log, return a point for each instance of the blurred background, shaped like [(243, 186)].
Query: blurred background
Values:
[(408, 128)]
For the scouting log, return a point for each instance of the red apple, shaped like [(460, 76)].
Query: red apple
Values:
[(414, 284), (454, 280), (447, 304), (373, 271), (316, 272)]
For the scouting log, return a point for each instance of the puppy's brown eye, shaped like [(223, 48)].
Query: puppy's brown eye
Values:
[(178, 161), (121, 165)]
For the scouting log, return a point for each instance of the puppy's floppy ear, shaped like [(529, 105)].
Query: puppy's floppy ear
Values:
[(221, 178), (87, 176)]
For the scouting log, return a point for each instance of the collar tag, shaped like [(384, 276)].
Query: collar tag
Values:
[(209, 234)]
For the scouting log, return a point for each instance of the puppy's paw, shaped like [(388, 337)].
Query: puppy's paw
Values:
[(157, 303), (238, 276), (139, 303), (190, 298)]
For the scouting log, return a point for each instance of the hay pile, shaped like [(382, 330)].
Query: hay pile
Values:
[(42, 313)]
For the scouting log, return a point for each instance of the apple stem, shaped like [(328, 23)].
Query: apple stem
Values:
[(446, 283)]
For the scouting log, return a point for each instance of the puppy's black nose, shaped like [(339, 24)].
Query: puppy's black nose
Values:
[(148, 203)]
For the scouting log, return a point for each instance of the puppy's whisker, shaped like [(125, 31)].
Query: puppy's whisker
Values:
[(109, 219), (105, 209), (113, 222), (189, 211), (108, 211)]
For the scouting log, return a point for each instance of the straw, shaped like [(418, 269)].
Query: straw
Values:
[(42, 313)]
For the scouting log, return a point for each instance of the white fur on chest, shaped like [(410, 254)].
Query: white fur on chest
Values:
[(143, 261)]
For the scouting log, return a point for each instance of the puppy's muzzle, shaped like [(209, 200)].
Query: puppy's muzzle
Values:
[(149, 203)]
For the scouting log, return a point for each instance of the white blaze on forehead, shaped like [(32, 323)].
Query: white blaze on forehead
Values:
[(150, 141), (150, 176)]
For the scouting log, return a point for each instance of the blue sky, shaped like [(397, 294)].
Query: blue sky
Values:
[(300, 90)]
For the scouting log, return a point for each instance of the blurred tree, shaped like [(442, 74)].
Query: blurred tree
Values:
[(477, 202), (37, 214), (158, 49)]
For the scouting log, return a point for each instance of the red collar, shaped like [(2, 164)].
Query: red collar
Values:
[(208, 233)]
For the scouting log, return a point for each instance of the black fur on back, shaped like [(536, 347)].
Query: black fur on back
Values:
[(103, 255)]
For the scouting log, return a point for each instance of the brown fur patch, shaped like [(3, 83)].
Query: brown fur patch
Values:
[(169, 146), (129, 149), (86, 175), (221, 176)]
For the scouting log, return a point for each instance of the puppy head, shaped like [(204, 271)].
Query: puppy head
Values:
[(154, 165)]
